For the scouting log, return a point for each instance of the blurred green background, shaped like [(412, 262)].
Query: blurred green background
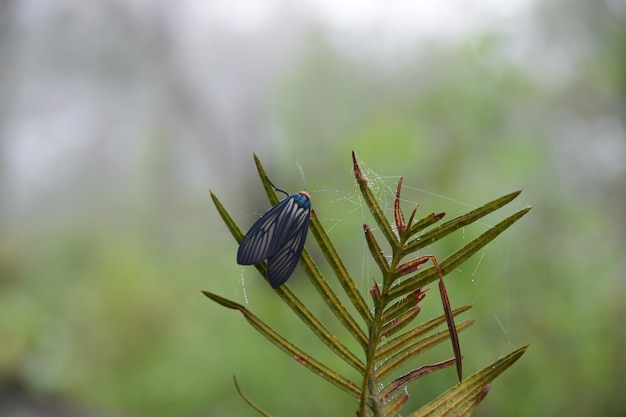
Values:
[(117, 116)]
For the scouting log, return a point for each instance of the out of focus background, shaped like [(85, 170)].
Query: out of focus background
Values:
[(117, 116)]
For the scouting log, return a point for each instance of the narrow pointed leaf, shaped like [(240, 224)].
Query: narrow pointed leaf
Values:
[(230, 223), (289, 348), (375, 292), (411, 266), (472, 403), (469, 390), (325, 335), (418, 347), (248, 400), (454, 337), (375, 250), (393, 346), (451, 262), (267, 185), (393, 407), (458, 222), (405, 379), (409, 224), (400, 322), (234, 229), (333, 258), (331, 299), (372, 203), (402, 305), (397, 211), (426, 221)]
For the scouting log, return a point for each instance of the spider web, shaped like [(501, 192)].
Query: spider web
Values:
[(343, 212), (481, 285)]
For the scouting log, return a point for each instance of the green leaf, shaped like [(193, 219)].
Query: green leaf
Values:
[(332, 256), (392, 346), (370, 201), (296, 305), (383, 351), (286, 346), (375, 250), (248, 400), (464, 397), (416, 348), (458, 222), (457, 258)]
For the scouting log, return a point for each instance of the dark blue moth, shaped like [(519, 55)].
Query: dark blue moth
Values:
[(278, 236)]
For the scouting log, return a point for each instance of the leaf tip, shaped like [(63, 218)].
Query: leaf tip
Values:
[(398, 215), (360, 178), (375, 291)]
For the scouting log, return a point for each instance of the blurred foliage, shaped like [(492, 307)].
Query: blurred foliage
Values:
[(104, 249)]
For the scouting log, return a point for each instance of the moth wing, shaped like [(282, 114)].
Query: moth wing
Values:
[(267, 235), (280, 266)]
